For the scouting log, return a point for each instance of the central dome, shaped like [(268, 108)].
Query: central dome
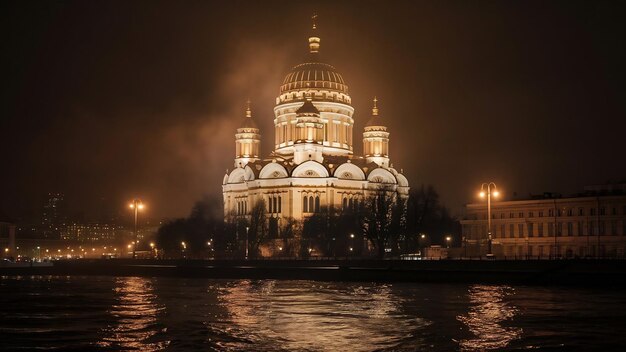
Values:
[(314, 75)]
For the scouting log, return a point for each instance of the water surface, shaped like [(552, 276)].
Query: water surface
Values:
[(153, 314)]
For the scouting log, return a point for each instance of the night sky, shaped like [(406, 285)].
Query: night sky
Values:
[(109, 100)]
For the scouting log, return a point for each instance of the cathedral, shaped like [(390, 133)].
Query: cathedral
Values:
[(313, 165)]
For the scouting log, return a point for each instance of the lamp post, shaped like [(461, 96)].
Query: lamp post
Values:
[(247, 230), (136, 205), (210, 245), (351, 243), (422, 244), (448, 239), (489, 188), (184, 247)]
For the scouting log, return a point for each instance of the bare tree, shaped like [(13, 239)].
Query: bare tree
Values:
[(258, 231), (384, 216)]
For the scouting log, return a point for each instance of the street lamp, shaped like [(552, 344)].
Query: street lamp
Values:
[(421, 243), (351, 248), (489, 188), (136, 205), (153, 248), (247, 230), (184, 247), (448, 239)]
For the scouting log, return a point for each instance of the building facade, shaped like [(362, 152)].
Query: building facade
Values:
[(91, 232), (313, 165), (53, 216), (590, 224)]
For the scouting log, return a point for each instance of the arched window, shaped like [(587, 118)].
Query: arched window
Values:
[(351, 203), (269, 204), (305, 204), (280, 204), (274, 208), (345, 203), (317, 204), (311, 204)]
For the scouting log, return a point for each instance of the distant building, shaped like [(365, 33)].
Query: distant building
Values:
[(53, 216), (7, 239), (592, 223), (93, 232)]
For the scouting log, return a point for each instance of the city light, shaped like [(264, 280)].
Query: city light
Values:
[(136, 205), (491, 189)]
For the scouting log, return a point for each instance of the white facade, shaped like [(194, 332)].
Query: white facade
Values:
[(313, 165), (591, 224)]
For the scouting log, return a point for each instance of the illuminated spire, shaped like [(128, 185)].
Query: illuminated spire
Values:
[(247, 140), (375, 108), (314, 41), (248, 121)]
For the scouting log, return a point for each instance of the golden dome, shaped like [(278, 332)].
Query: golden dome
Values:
[(314, 75)]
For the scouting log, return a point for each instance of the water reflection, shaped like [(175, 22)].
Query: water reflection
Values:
[(317, 316), (487, 313), (135, 315)]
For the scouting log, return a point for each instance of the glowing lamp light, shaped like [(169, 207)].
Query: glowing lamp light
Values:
[(140, 206), (132, 206), (496, 193), (481, 194)]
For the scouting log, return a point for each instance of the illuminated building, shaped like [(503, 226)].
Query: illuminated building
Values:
[(93, 232), (313, 165), (53, 217), (588, 224)]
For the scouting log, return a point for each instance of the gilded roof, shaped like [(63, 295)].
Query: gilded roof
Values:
[(314, 75)]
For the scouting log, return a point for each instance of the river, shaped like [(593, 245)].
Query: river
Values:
[(179, 314)]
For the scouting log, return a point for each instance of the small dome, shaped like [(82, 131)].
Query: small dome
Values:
[(248, 121), (375, 120)]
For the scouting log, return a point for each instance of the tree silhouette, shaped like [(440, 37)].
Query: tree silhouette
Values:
[(384, 218)]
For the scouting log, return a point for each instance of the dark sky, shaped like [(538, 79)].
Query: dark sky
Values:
[(107, 100)]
